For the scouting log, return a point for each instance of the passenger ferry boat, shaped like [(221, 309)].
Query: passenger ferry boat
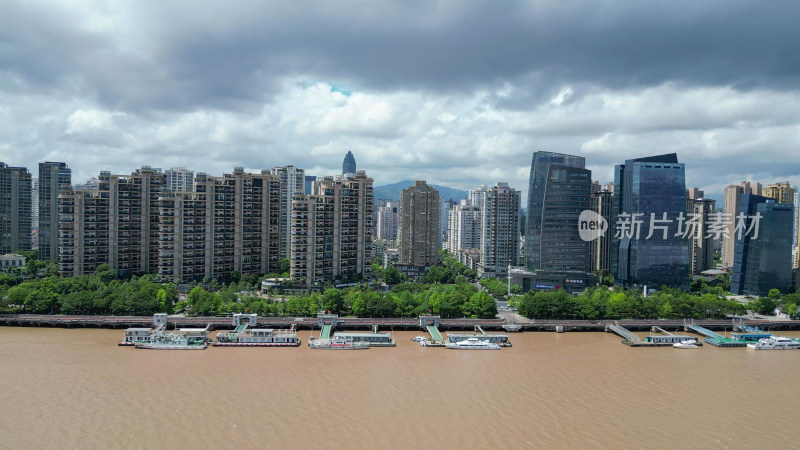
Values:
[(337, 344), (472, 344), (186, 339), (134, 335), (173, 341), (775, 343), (689, 343), (259, 337)]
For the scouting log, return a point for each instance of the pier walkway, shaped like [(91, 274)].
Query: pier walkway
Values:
[(436, 336), (326, 332), (624, 333), (704, 331)]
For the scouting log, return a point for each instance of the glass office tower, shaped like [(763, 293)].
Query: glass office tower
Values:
[(559, 190), (762, 260), (645, 186)]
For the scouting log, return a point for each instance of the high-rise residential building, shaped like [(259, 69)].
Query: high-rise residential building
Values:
[(179, 179), (694, 193), (387, 220), (796, 243), (781, 192), (701, 241), (444, 219), (500, 221), (133, 219), (601, 247), (476, 196), (609, 187), (132, 216), (228, 224), (730, 211), (559, 190), (418, 234), (292, 182), (53, 177), (464, 228), (35, 214), (15, 208), (596, 186), (649, 195), (83, 231), (349, 163), (332, 230), (761, 261)]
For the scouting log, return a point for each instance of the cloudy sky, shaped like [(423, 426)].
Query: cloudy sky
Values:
[(456, 92)]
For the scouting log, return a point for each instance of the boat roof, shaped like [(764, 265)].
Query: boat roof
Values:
[(138, 329), (343, 334), (193, 329), (477, 335)]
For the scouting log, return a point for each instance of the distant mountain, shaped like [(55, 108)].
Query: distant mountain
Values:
[(392, 191)]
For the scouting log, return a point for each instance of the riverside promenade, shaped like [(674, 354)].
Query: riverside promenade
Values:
[(506, 323)]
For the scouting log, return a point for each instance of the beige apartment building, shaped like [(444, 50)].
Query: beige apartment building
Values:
[(331, 233)]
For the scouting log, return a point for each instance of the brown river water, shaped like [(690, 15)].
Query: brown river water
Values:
[(74, 388)]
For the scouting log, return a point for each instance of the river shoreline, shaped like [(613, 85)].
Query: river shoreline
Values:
[(225, 322)]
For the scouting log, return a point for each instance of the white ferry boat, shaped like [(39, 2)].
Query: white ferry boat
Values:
[(337, 344), (689, 343), (775, 343), (472, 344)]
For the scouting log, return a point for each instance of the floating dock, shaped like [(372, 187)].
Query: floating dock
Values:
[(718, 340), (632, 340)]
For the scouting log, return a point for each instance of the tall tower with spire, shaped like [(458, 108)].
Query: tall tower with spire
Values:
[(349, 164)]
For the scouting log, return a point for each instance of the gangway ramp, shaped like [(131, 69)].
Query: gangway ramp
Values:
[(240, 329), (705, 332), (624, 333), (326, 332), (436, 336)]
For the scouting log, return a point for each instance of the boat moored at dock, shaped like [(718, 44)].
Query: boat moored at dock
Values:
[(134, 335), (337, 344), (184, 339), (472, 343), (372, 339), (173, 341), (775, 343), (687, 344), (259, 337)]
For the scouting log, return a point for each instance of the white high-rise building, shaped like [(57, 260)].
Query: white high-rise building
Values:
[(476, 196), (35, 208), (387, 221), (464, 230), (179, 179), (500, 228), (293, 182)]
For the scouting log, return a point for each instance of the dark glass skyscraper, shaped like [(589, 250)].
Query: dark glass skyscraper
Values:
[(762, 261), (645, 186), (349, 164), (560, 189)]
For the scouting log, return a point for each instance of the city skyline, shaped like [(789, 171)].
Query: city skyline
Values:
[(486, 86)]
